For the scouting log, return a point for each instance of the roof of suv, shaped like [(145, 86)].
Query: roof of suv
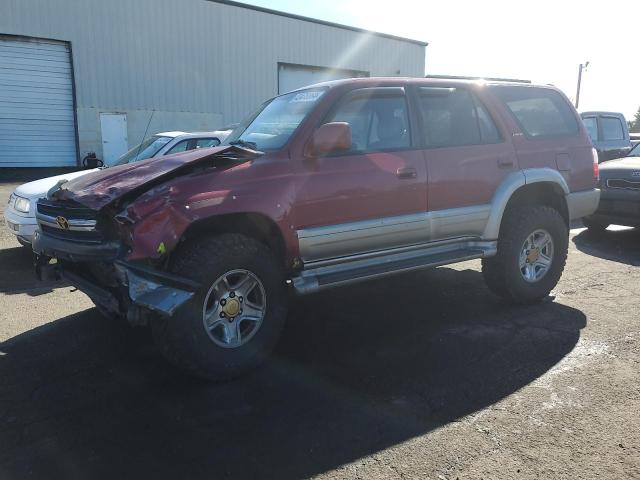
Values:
[(449, 82)]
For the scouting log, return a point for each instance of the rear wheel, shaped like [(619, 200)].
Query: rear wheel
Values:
[(532, 252), (594, 225), (235, 318)]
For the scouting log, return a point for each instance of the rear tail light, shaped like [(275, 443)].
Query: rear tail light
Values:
[(596, 167)]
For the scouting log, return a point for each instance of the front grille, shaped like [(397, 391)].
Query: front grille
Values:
[(621, 183), (70, 221), (66, 209)]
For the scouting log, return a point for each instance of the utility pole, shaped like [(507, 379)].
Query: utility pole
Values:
[(580, 69)]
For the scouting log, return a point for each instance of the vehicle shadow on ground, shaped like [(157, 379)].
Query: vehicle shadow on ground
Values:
[(358, 370), (18, 274), (621, 246)]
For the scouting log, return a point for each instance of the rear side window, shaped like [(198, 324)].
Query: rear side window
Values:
[(591, 124), (540, 112), (612, 128), (453, 117), (378, 121), (207, 142)]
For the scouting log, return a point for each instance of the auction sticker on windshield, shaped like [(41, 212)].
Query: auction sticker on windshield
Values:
[(310, 96)]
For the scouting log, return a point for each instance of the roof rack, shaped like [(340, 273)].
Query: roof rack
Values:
[(492, 79)]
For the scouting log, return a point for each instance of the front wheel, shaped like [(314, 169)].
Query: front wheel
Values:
[(235, 318), (532, 252)]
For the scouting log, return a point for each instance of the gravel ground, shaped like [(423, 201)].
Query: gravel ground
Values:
[(419, 376)]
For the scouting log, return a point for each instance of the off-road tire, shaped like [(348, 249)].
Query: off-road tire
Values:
[(594, 225), (183, 339), (502, 271)]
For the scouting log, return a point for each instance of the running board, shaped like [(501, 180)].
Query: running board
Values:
[(369, 266)]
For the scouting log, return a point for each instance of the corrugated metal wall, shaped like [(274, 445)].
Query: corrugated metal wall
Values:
[(36, 104), (194, 55)]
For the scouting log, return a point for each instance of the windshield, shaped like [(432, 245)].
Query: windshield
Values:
[(275, 121), (635, 151), (144, 150)]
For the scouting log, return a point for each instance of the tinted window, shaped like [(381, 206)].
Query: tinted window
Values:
[(611, 128), (452, 117), (541, 112), (378, 122), (591, 124)]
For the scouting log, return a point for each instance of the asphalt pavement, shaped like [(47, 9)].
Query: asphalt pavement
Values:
[(417, 376)]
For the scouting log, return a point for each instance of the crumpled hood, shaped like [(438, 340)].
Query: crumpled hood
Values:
[(98, 189)]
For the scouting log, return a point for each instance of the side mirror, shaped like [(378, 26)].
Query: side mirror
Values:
[(329, 138)]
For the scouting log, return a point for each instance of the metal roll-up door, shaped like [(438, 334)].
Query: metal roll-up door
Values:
[(37, 124)]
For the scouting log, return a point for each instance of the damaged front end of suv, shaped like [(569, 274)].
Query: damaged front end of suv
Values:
[(110, 234)]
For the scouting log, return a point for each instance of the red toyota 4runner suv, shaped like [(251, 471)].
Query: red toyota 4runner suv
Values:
[(322, 187)]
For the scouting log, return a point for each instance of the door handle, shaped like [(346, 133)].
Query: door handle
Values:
[(406, 173)]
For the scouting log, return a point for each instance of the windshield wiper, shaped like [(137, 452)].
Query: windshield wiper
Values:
[(245, 143)]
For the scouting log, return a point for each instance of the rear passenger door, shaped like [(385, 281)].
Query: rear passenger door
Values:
[(467, 157)]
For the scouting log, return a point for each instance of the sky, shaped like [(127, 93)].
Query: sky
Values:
[(543, 41)]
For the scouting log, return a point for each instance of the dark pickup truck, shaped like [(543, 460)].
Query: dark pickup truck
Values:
[(609, 133), (325, 186)]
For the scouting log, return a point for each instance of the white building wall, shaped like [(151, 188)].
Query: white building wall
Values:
[(196, 63)]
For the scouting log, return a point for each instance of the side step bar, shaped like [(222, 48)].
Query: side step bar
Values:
[(321, 275)]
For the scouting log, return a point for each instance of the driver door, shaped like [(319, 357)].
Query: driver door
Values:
[(369, 197)]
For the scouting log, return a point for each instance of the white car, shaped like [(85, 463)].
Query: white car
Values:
[(20, 214)]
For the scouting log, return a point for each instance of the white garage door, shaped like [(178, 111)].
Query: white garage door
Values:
[(291, 77), (36, 105)]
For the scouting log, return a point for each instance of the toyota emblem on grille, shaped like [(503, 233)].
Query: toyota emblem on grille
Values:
[(63, 223)]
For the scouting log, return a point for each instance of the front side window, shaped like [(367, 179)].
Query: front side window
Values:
[(635, 151), (591, 124), (540, 112), (378, 121), (453, 117), (271, 127), (193, 143), (179, 147), (612, 128), (146, 149)]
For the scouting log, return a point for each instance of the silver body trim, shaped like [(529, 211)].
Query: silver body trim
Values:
[(335, 241), (350, 252), (74, 224), (583, 204)]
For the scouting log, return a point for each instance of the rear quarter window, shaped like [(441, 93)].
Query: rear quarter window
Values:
[(540, 112)]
